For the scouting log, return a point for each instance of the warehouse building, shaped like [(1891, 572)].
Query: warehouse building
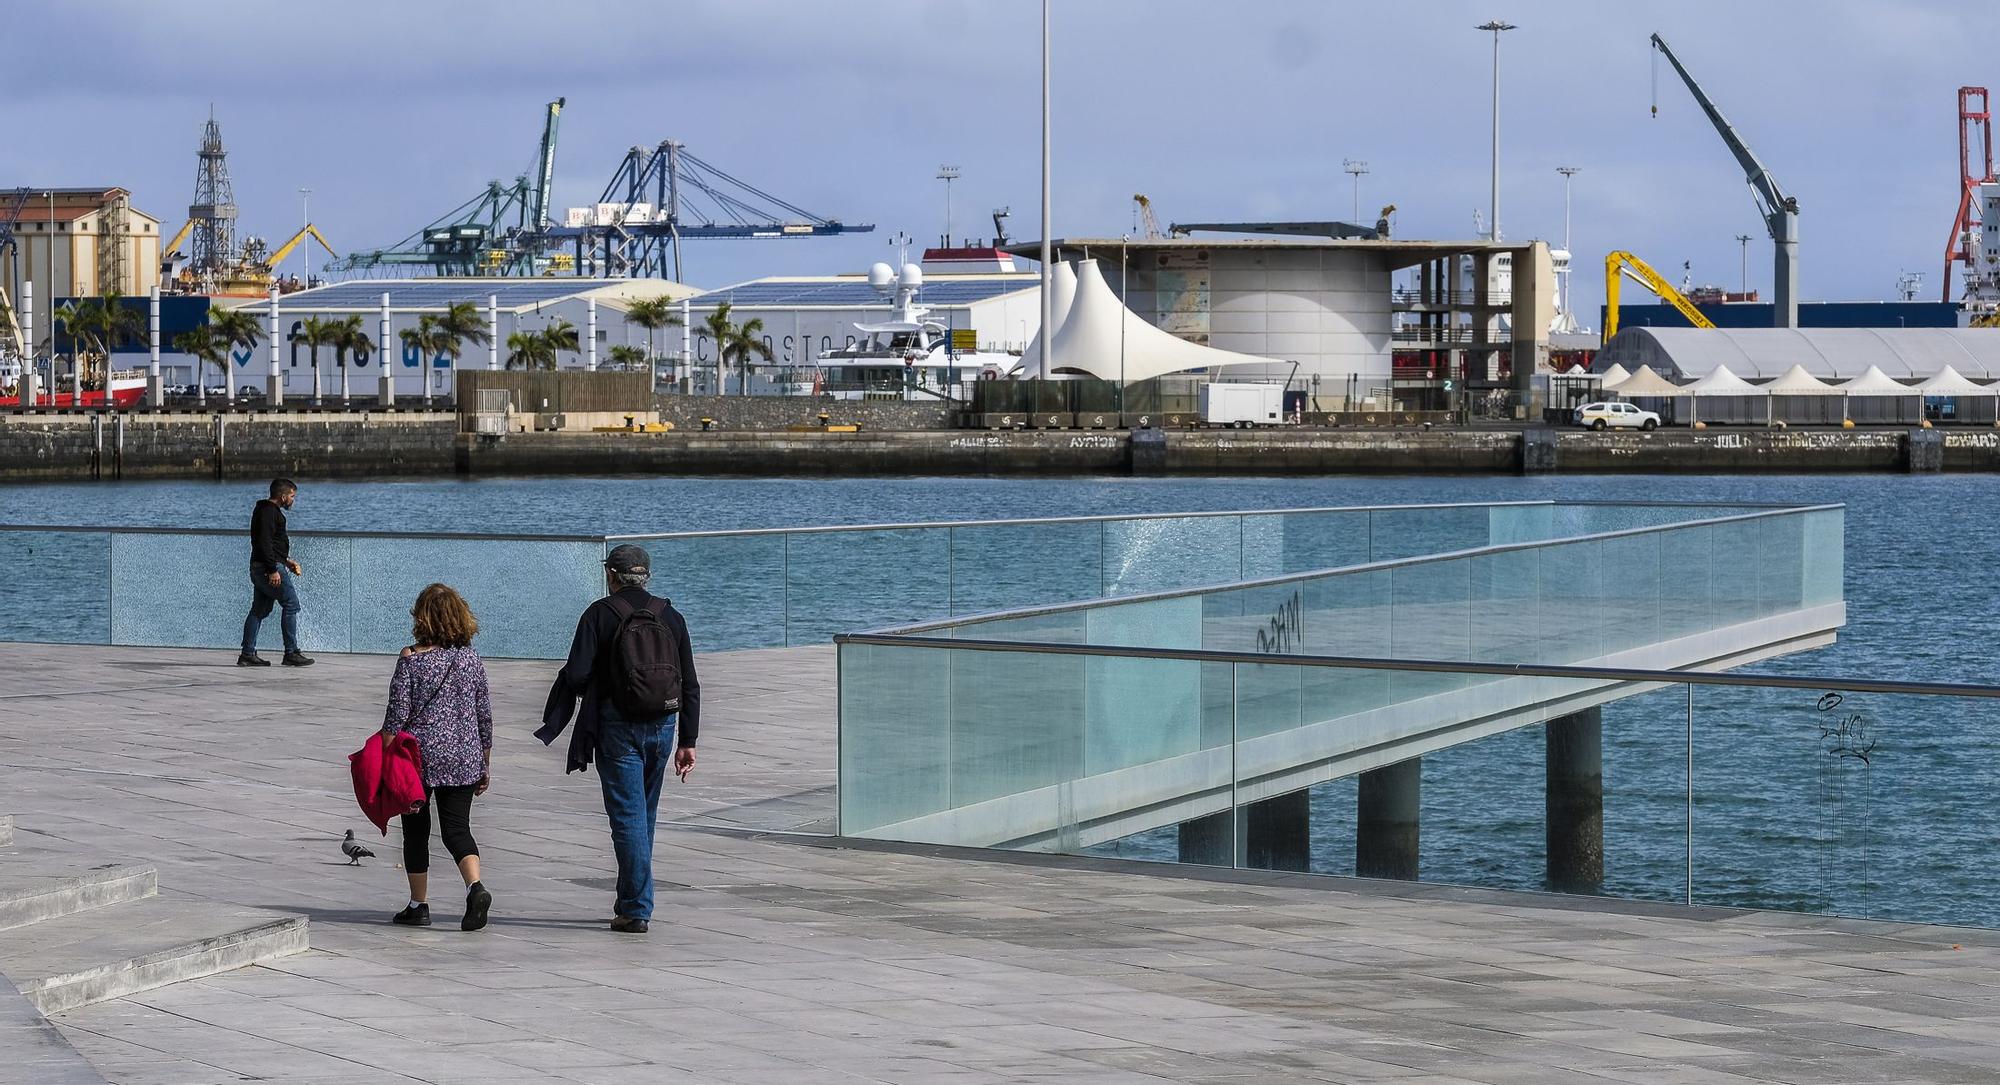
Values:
[(514, 305)]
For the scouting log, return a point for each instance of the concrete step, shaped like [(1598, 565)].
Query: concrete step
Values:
[(111, 952), (40, 885)]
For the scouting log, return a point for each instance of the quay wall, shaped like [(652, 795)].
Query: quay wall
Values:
[(430, 444), (189, 445), (779, 412)]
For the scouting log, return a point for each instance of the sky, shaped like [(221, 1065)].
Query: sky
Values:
[(395, 113)]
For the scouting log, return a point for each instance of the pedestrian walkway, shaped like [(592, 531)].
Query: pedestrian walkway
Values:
[(781, 957)]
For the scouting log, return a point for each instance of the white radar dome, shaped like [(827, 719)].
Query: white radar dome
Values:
[(912, 275), (881, 276)]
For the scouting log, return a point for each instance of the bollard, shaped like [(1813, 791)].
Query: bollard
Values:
[(118, 447), (220, 445)]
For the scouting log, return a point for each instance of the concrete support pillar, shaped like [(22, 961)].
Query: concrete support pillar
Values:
[(1277, 833), (1385, 823), (1576, 802), (1209, 841)]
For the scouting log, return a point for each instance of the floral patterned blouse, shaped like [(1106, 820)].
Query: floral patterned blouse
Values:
[(455, 729)]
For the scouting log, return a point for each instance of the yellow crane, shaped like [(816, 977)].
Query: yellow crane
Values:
[(285, 249), (1149, 225), (1619, 264)]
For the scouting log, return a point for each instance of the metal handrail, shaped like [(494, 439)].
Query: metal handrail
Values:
[(1342, 570), (1838, 683), (129, 529)]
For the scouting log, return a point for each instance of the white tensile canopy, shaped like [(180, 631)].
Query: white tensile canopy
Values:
[(1722, 381), (1062, 293), (1102, 338), (1797, 382), (1644, 383), (1613, 375), (1874, 382), (1950, 382)]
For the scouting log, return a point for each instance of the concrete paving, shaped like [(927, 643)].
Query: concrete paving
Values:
[(782, 957)]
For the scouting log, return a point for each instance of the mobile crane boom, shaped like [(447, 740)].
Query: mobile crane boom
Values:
[(1781, 212), (1621, 263)]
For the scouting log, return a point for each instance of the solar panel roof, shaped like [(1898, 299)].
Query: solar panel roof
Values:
[(367, 294), (852, 292)]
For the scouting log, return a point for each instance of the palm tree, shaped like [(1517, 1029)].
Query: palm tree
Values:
[(628, 357), (203, 344), (427, 339), (234, 328), (529, 350), (348, 336), (652, 314), (315, 333), (460, 323), (742, 344), (561, 336), (97, 326), (720, 329)]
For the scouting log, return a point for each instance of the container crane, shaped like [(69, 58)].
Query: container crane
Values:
[(1148, 224), (1619, 264), (1780, 212)]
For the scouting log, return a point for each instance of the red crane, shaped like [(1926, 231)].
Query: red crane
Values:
[(1973, 124)]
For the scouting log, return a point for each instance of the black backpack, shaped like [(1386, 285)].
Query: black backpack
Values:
[(645, 662)]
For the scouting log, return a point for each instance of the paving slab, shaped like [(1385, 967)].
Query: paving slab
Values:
[(782, 955)]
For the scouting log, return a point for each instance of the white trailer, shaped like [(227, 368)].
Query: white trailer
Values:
[(1242, 404)]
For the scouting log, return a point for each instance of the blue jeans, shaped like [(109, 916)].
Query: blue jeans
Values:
[(285, 596), (632, 760)]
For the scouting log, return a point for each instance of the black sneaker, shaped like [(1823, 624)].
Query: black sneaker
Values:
[(477, 901), (298, 659), (252, 660), (419, 916), (628, 925)]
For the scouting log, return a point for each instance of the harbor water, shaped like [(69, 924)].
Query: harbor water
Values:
[(1789, 813)]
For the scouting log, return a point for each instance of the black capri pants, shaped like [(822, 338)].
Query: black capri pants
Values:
[(454, 807)]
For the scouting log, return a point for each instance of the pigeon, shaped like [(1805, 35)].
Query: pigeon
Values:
[(354, 852)]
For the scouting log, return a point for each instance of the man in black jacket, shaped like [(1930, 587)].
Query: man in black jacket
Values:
[(271, 573), (632, 754)]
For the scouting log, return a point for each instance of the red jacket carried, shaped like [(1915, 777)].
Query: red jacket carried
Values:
[(388, 777)]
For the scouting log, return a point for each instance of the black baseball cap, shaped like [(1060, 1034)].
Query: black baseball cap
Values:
[(627, 558)]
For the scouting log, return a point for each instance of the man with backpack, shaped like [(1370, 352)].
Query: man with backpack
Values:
[(633, 667)]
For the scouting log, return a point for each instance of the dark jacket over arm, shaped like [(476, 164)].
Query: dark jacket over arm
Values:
[(270, 543), (583, 675)]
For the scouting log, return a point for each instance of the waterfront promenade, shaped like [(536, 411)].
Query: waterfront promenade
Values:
[(780, 957)]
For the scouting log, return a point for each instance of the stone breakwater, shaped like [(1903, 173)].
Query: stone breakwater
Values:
[(430, 444)]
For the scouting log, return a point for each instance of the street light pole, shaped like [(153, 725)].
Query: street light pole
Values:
[(1355, 167), (1497, 26), (1743, 243), (1569, 263), (1048, 276), (947, 174), (305, 251)]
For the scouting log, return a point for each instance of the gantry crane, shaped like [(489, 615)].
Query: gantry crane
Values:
[(1621, 263), (1780, 212)]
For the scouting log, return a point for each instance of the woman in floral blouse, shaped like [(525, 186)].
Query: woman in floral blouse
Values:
[(439, 695)]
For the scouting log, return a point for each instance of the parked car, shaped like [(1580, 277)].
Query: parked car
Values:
[(1607, 415), (249, 391)]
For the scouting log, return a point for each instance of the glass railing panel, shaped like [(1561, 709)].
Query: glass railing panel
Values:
[(54, 592), (1688, 561), (1825, 544), (1430, 609), (1735, 552), (1005, 566), (1163, 553), (730, 588), (1055, 627), (1504, 621), (839, 581), (895, 736), (1296, 542), (1630, 583), (1508, 524), (1873, 805), (1418, 532), (526, 593), (1573, 592), (194, 591), (1781, 566)]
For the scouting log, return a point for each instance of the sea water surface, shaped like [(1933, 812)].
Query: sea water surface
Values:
[(1875, 805)]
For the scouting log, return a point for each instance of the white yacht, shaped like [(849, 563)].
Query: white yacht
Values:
[(905, 357)]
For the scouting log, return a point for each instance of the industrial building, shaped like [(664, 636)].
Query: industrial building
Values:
[(1325, 314), (512, 304), (98, 242)]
